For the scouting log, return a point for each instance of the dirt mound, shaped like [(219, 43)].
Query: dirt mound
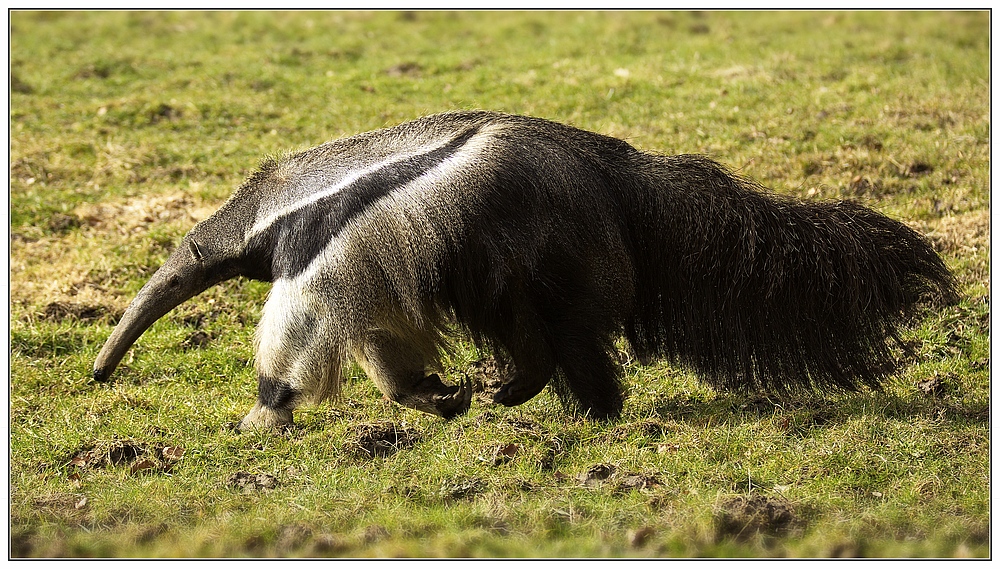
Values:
[(250, 483), (61, 311), (140, 457), (487, 377), (745, 517), (382, 439)]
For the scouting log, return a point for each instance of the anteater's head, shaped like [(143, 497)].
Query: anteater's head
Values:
[(212, 252)]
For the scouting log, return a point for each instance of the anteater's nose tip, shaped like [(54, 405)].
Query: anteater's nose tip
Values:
[(101, 375)]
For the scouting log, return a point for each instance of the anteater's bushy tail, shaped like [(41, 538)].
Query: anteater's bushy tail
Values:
[(756, 291)]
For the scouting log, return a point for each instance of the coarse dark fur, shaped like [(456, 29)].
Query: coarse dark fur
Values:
[(545, 244)]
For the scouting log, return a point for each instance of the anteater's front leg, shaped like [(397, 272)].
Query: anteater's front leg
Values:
[(398, 368), (297, 359)]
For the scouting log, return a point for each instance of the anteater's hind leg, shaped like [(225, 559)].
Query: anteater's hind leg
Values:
[(563, 328), (589, 380), (398, 367), (528, 372)]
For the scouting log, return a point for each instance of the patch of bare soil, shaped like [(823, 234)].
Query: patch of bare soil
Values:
[(62, 311), (54, 271), (595, 475), (744, 517), (250, 483), (602, 475), (139, 457), (960, 234), (139, 213), (382, 439), (637, 482), (937, 385), (196, 340), (56, 261)]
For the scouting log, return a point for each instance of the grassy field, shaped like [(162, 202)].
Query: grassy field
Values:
[(128, 127)]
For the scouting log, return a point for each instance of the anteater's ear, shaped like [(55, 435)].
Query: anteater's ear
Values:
[(195, 251)]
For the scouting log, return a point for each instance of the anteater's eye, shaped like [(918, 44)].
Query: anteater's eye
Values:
[(196, 251)]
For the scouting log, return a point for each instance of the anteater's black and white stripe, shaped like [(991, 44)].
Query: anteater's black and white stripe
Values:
[(543, 243)]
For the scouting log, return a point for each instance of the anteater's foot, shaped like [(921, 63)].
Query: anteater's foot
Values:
[(263, 418), (516, 392), (431, 395)]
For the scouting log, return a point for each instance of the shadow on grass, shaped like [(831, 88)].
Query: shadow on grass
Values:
[(808, 411)]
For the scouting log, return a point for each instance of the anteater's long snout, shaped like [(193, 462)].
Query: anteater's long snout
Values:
[(181, 277)]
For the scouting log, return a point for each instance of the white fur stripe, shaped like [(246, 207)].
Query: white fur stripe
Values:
[(439, 174), (266, 222)]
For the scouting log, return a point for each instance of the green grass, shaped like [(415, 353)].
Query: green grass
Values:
[(128, 127)]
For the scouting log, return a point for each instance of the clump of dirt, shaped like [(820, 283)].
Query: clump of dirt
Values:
[(22, 541), (62, 223), (250, 483), (196, 340), (461, 489), (593, 477), (743, 518), (596, 474), (18, 85), (638, 482), (405, 69), (293, 537), (326, 544), (640, 536), (140, 457), (487, 376), (937, 384), (62, 311), (602, 474), (382, 439), (918, 168)]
